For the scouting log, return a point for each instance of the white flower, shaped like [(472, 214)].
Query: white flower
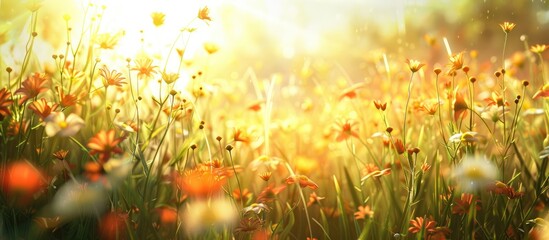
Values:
[(257, 208), (475, 172), (493, 113), (57, 124), (271, 163), (463, 137), (201, 215), (75, 199)]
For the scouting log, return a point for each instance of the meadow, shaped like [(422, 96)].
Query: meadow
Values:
[(112, 135)]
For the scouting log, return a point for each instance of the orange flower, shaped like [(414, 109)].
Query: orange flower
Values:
[(314, 199), (269, 193), (240, 136), (542, 92), (256, 105), (144, 67), (265, 176), (42, 108), (303, 181), (200, 182), (32, 86), (104, 143), (66, 100), (460, 106), (167, 215), (462, 205), (113, 226), (345, 130), (61, 154), (414, 65), (5, 103), (21, 182), (363, 212), (420, 224), (204, 14), (507, 26), (399, 146), (111, 78), (502, 189), (93, 171), (243, 196)]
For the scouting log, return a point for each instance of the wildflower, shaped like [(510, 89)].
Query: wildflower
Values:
[(61, 154), (249, 225), (240, 136), (456, 62), (303, 181), (42, 108), (379, 105), (22, 182), (269, 193), (32, 86), (57, 124), (460, 106), (75, 199), (200, 182), (364, 212), (208, 213), (542, 92), (104, 143), (169, 77), (496, 100), (539, 49), (257, 208), (158, 18), (420, 224), (93, 171), (475, 172), (5, 103), (111, 78), (66, 100), (127, 127), (507, 26), (113, 226), (350, 92), (345, 130), (204, 14), (414, 65), (265, 176), (167, 215), (17, 127), (270, 163), (429, 107), (466, 137), (399, 146), (501, 188), (462, 205), (108, 40), (144, 68), (493, 113), (243, 196), (211, 48), (314, 199)]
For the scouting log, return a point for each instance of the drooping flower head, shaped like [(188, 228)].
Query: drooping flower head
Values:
[(204, 14)]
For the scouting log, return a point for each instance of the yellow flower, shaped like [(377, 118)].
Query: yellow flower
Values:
[(211, 48), (507, 26), (158, 18), (538, 48), (169, 77), (414, 65)]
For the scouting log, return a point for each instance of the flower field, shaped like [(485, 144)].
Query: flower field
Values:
[(215, 120)]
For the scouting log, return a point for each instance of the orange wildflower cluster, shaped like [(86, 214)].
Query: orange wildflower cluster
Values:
[(463, 204), (501, 188), (429, 228), (201, 181)]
